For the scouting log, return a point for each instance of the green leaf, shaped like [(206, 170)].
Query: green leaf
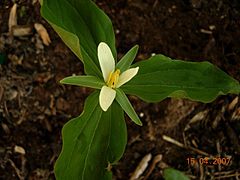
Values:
[(127, 59), (118, 133), (87, 81), (82, 26), (127, 107), (91, 142), (161, 77), (173, 174)]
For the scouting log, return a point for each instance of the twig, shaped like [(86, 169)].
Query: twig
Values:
[(237, 174), (156, 160), (233, 104), (223, 172), (155, 4), (219, 153), (173, 141), (18, 172), (1, 92), (205, 31), (233, 136), (177, 143), (6, 109), (201, 172)]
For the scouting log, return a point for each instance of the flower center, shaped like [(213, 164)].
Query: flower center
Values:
[(113, 79)]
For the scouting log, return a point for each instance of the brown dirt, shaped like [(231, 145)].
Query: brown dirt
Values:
[(34, 106)]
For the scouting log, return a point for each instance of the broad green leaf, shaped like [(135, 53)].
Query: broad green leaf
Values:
[(118, 136), (82, 26), (127, 59), (160, 77), (91, 142), (173, 174), (127, 107), (87, 81)]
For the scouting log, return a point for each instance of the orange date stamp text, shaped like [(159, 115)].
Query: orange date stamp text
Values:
[(225, 161)]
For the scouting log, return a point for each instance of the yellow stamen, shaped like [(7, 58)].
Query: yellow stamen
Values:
[(113, 79)]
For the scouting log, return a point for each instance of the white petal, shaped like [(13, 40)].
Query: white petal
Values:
[(106, 60), (126, 76), (106, 97)]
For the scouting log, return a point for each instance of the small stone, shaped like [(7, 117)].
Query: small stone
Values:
[(141, 114)]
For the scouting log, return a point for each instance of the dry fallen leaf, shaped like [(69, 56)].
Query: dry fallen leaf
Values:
[(12, 21), (6, 128), (19, 149), (34, 2), (15, 59), (43, 33), (233, 104), (21, 30), (141, 167)]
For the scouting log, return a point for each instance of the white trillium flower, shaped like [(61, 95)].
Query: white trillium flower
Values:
[(113, 77)]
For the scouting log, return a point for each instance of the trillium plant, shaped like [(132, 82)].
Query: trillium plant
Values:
[(96, 139)]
